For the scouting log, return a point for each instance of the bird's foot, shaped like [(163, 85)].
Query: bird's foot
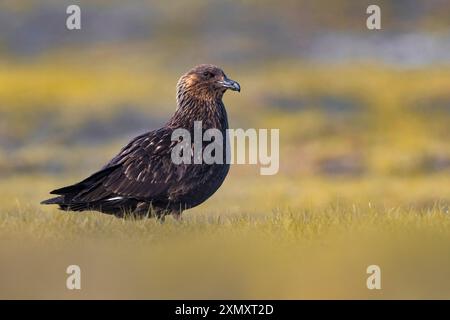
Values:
[(161, 218), (177, 215)]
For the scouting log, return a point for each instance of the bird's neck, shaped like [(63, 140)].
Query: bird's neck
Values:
[(209, 110)]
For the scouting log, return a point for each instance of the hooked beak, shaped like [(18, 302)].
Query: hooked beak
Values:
[(231, 84)]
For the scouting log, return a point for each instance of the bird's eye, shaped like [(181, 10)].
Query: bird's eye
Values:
[(208, 74)]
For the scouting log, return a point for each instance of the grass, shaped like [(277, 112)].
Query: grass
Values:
[(246, 244), (363, 180), (288, 254)]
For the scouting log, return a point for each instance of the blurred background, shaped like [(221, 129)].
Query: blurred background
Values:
[(364, 145)]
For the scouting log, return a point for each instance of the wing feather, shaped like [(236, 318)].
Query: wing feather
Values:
[(144, 170)]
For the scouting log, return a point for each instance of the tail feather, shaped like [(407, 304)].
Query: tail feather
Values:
[(55, 200), (67, 205), (86, 183), (107, 205), (71, 197)]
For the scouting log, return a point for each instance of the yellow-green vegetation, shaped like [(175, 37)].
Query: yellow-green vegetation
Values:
[(364, 179), (303, 253)]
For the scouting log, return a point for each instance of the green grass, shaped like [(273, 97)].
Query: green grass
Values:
[(248, 241), (287, 254)]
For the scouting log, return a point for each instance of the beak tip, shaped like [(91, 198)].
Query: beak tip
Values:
[(232, 85), (236, 86)]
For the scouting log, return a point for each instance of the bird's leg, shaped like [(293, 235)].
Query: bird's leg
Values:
[(176, 215), (161, 216), (143, 210)]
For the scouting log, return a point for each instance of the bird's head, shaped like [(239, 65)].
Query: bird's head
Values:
[(206, 81)]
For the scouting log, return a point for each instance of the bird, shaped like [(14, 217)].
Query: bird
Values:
[(142, 180)]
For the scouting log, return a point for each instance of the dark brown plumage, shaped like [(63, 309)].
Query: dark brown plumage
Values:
[(142, 179)]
